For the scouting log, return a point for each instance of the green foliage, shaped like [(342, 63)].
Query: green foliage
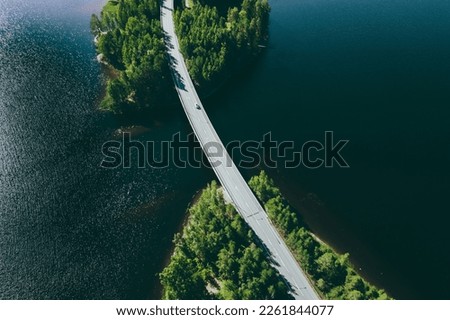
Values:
[(131, 41), (184, 279), (110, 45), (263, 187), (216, 257), (212, 35), (96, 25), (215, 35), (332, 273)]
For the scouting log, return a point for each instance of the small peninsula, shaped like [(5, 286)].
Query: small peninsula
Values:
[(216, 39), (218, 257), (130, 41)]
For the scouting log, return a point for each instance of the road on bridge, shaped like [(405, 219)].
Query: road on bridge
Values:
[(228, 174)]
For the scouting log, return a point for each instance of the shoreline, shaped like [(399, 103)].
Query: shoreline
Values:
[(131, 120), (180, 230), (315, 212), (321, 242)]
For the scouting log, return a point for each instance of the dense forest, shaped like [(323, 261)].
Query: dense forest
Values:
[(130, 40), (332, 273), (216, 37), (218, 257)]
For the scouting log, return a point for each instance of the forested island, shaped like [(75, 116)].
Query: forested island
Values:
[(216, 39), (217, 256), (130, 40)]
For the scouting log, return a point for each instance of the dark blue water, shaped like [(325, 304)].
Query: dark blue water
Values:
[(68, 229), (374, 72)]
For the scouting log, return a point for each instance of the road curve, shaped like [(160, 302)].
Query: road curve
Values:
[(229, 176)]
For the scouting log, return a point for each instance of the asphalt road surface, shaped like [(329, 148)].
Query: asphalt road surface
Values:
[(228, 174)]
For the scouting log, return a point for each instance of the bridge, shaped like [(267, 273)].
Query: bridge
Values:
[(234, 185)]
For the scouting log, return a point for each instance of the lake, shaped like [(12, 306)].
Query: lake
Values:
[(374, 72)]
